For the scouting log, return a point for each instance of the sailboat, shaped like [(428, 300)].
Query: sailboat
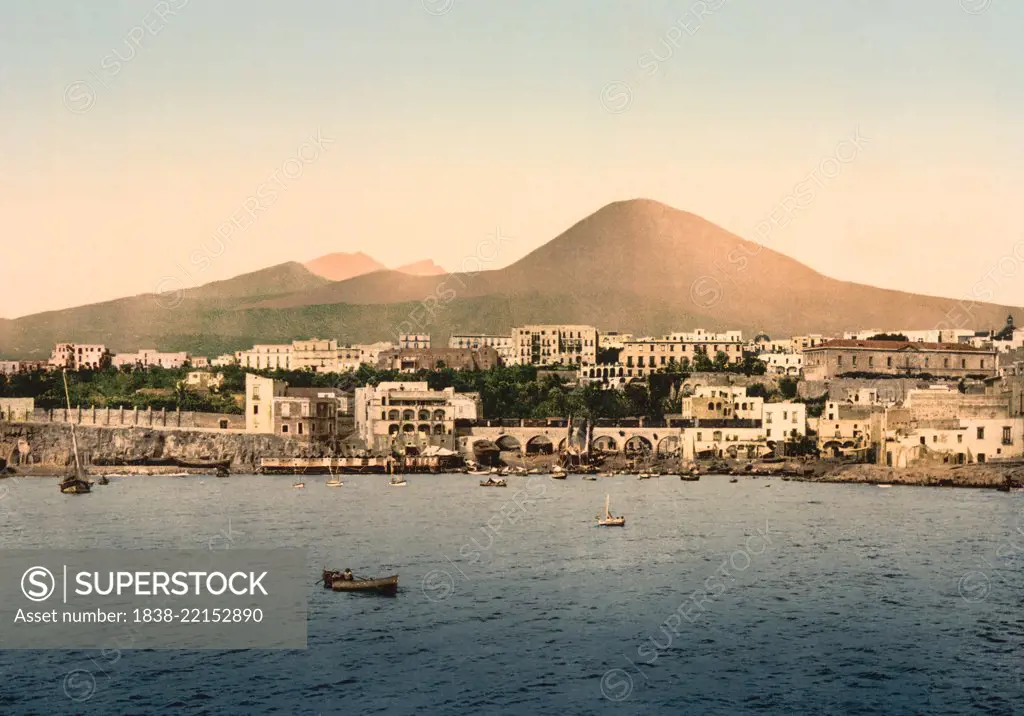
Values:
[(396, 479), (334, 480), (77, 483), (608, 520)]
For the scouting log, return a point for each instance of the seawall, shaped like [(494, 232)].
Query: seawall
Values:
[(42, 446)]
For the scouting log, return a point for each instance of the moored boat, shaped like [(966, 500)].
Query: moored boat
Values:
[(492, 482), (299, 485), (334, 482), (76, 483)]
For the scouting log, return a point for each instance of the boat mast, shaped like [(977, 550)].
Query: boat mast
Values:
[(74, 439), (607, 505)]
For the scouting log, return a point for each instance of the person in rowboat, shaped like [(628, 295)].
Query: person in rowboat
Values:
[(347, 575)]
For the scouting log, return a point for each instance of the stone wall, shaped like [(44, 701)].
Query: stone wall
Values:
[(50, 445), (889, 389), (131, 417)]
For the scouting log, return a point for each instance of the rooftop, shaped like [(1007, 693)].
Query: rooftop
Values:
[(898, 346)]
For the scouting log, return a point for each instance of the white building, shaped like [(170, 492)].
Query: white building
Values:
[(791, 364), (784, 420), (400, 415), (267, 357), (699, 335), (224, 360), (150, 358), (76, 356), (550, 344), (967, 441)]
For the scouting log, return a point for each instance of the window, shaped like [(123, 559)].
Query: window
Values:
[(255, 410), (945, 362), (255, 392), (768, 418), (700, 437), (284, 428), (1007, 436), (935, 438), (300, 428), (854, 361), (871, 362), (785, 415), (981, 435), (960, 438), (888, 362), (223, 424), (839, 360)]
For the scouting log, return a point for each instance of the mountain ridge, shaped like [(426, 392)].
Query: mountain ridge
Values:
[(636, 266)]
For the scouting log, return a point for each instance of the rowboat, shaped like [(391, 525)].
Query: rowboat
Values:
[(608, 520), (334, 482), (491, 482), (299, 485), (690, 478), (387, 586), (589, 478)]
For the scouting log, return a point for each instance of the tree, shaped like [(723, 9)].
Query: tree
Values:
[(787, 387), (721, 362), (888, 337), (701, 362), (608, 355)]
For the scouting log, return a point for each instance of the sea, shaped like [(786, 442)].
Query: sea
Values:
[(759, 596)]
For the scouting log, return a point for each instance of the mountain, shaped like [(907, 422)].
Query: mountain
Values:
[(340, 266), (425, 267), (635, 266)]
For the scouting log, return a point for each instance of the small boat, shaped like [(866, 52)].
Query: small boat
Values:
[(386, 586), (605, 474), (590, 478), (558, 473), (492, 482), (692, 477), (644, 476), (103, 480), (884, 484), (734, 480), (334, 482), (175, 474), (533, 471), (223, 472), (608, 520), (299, 485), (397, 481), (480, 473)]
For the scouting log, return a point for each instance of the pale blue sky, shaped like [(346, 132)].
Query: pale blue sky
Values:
[(491, 114)]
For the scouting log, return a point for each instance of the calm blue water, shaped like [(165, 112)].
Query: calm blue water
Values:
[(794, 598)]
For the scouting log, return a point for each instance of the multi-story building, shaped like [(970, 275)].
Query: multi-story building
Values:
[(726, 402), (473, 341), (314, 354), (199, 361), (790, 364), (15, 367), (371, 351), (650, 355), (955, 441), (784, 420), (304, 414), (415, 341), (408, 416), (555, 345), (699, 335), (411, 360), (897, 358), (798, 344), (267, 357), (224, 360), (78, 356), (607, 375), (150, 358)]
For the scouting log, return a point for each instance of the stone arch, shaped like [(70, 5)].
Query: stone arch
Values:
[(424, 414), (438, 415), (668, 445), (604, 443), (408, 414), (561, 445), (439, 429), (424, 428), (392, 430), (394, 415), (408, 428), (539, 444), (509, 442), (638, 444)]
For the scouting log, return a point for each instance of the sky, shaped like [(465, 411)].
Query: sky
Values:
[(131, 133)]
